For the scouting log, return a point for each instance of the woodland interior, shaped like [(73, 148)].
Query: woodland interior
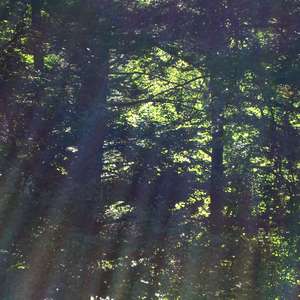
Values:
[(149, 149)]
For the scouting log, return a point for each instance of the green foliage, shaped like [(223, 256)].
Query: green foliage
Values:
[(149, 149)]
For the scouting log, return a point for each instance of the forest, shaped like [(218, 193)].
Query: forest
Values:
[(149, 149)]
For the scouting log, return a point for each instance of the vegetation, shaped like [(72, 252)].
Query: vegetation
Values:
[(149, 149)]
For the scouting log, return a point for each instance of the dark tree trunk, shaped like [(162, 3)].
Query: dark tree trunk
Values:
[(217, 195), (83, 198), (35, 116), (86, 169)]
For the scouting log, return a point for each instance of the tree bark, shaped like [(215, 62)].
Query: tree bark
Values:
[(217, 195), (86, 169)]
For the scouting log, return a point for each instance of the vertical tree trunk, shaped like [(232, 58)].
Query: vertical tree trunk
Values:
[(86, 169), (217, 168), (34, 117)]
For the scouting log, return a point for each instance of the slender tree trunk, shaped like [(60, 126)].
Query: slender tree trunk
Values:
[(34, 117), (217, 195)]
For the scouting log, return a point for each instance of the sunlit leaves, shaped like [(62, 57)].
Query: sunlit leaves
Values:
[(118, 210)]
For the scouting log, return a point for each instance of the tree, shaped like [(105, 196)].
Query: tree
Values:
[(146, 149)]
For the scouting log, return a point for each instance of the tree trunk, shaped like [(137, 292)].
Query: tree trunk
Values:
[(86, 168), (217, 168)]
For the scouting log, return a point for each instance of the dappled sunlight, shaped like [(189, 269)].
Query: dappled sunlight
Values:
[(149, 150)]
